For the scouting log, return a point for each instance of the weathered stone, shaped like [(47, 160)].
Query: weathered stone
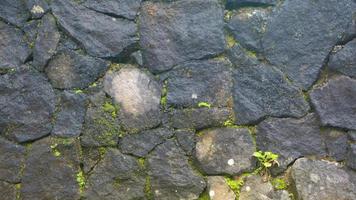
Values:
[(100, 35), (171, 177), (335, 102), (142, 143), (344, 60), (91, 156), (312, 28), (240, 57), (27, 102), (118, 8), (234, 4), (50, 173), (290, 138), (11, 160), (66, 42), (101, 128), (69, 69), (70, 115), (352, 135), (137, 58), (31, 29), (186, 139), (248, 26), (261, 91), (225, 151), (336, 144), (117, 176), (46, 42), (255, 188), (218, 189), (138, 95), (37, 8), (14, 12), (323, 180), (199, 81), (180, 31), (13, 49), (7, 190), (351, 155)]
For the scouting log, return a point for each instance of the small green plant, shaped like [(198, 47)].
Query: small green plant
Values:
[(79, 91), (266, 160), (81, 180), (55, 150), (229, 123), (204, 104), (110, 108), (235, 184), (279, 183)]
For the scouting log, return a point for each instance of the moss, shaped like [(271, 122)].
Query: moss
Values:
[(279, 183), (204, 196), (108, 132), (148, 190), (111, 108), (81, 181), (230, 41), (235, 184), (141, 162), (164, 94), (18, 191), (54, 150), (78, 91), (204, 104), (228, 15)]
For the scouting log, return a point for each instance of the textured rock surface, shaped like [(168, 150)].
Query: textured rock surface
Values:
[(101, 36), (260, 91), (50, 173), (335, 102), (218, 189), (180, 31), (7, 190), (117, 176), (14, 12), (69, 69), (255, 188), (291, 138), (171, 176), (199, 81), (199, 118), (27, 102), (225, 151), (312, 28), (344, 60), (12, 157), (234, 4), (121, 8), (13, 49), (351, 161), (70, 117), (142, 143), (186, 139), (323, 180), (37, 8), (138, 95), (46, 42), (336, 144)]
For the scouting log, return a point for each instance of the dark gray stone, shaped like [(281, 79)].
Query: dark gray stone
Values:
[(180, 31), (199, 118), (117, 8), (248, 25), (30, 29), (186, 139), (316, 180), (27, 102), (225, 151), (261, 91), (137, 57), (239, 57), (351, 155), (12, 157), (235, 4), (8, 190), (344, 60), (14, 12), (13, 48), (290, 138), (69, 69), (46, 42), (142, 143), (100, 35), (336, 143), (138, 95), (101, 128), (37, 8), (171, 177), (117, 176), (199, 81), (255, 188), (50, 173), (352, 136), (312, 28), (335, 102), (70, 115)]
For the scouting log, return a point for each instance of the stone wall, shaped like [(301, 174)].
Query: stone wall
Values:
[(169, 99)]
